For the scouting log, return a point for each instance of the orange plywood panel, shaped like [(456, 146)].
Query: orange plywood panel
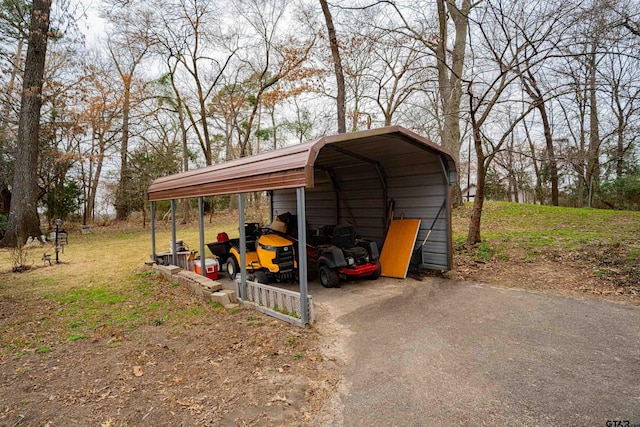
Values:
[(398, 247)]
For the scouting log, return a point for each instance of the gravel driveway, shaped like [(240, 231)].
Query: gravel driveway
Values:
[(439, 352)]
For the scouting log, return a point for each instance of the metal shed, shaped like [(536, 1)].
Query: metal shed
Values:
[(337, 179)]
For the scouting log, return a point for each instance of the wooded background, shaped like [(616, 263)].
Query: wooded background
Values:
[(539, 100)]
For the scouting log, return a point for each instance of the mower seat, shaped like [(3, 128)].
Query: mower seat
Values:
[(251, 232), (344, 237)]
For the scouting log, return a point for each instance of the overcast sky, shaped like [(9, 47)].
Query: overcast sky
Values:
[(93, 26)]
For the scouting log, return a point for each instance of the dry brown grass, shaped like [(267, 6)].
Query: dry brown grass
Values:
[(104, 258), (98, 341)]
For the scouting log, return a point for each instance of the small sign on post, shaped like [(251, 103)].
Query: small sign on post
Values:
[(63, 239)]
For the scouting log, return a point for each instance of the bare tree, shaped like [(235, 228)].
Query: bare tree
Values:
[(193, 43), (337, 65), (270, 69), (594, 40), (621, 76), (501, 54), (450, 66), (402, 74), (101, 118), (450, 63), (531, 86), (128, 44)]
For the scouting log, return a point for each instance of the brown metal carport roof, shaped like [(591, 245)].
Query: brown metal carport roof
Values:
[(289, 167)]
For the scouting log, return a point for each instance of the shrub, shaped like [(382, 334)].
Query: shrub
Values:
[(622, 193)]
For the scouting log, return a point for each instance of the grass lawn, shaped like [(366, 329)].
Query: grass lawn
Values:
[(99, 287), (97, 340), (552, 248), (533, 226)]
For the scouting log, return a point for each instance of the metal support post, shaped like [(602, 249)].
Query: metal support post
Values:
[(174, 257), (243, 249), (203, 258), (153, 230), (302, 255)]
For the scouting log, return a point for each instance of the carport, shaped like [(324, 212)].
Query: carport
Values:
[(344, 178)]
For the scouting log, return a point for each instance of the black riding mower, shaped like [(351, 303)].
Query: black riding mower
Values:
[(335, 252)]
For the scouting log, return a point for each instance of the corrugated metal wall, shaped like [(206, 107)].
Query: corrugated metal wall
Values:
[(320, 202), (416, 183), (361, 201), (419, 188)]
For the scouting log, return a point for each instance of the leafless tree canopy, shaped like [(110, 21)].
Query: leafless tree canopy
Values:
[(538, 99)]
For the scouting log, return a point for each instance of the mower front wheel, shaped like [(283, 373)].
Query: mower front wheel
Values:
[(329, 278), (232, 267)]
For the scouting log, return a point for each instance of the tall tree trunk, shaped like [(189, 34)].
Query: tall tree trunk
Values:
[(205, 126), (593, 153), (337, 65), (581, 168), (93, 191), (533, 90), (450, 72), (512, 177), (450, 75), (539, 194), (473, 236), (620, 152), (620, 115), (123, 204), (551, 155), (94, 176), (478, 201), (23, 216)]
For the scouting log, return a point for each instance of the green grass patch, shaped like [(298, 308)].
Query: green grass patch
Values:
[(484, 252), (85, 297), (96, 291), (292, 341), (285, 311), (532, 227)]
